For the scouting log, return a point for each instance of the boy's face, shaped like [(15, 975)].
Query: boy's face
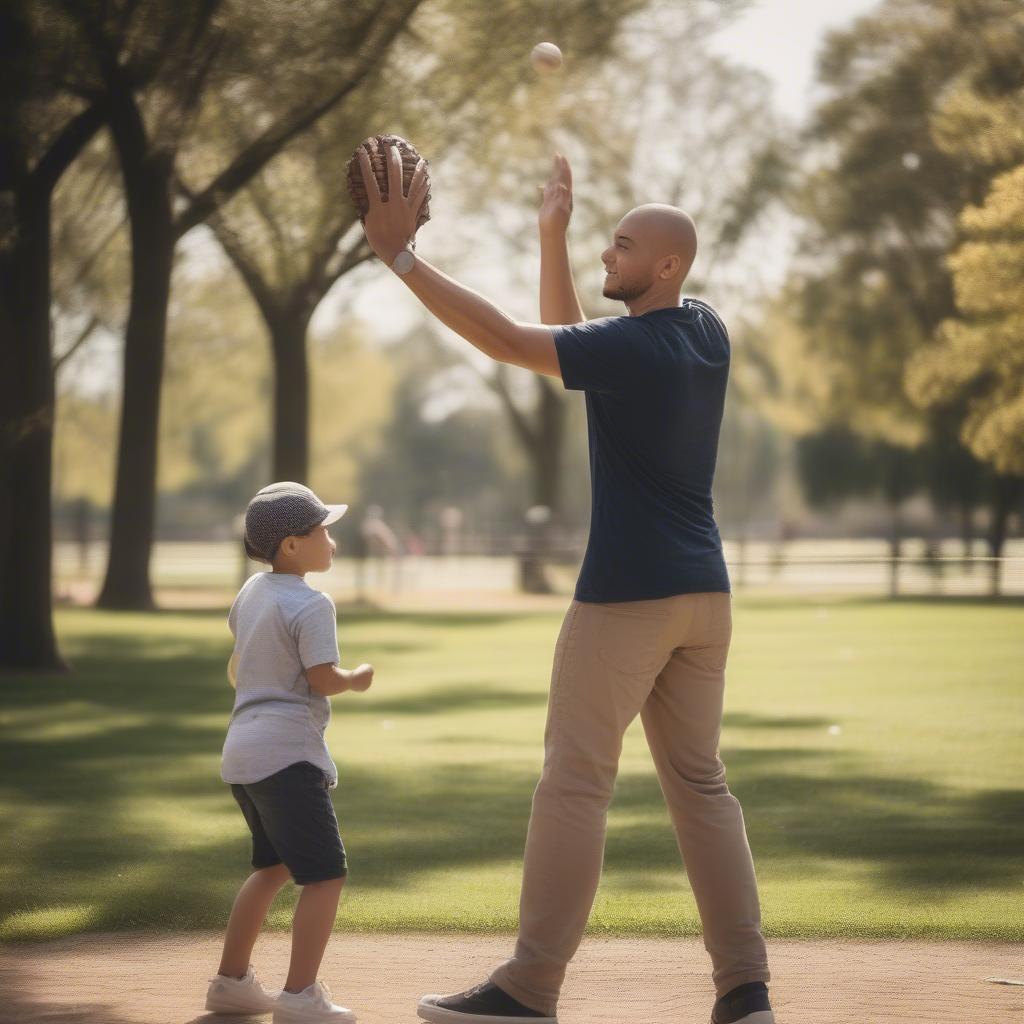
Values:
[(313, 552)]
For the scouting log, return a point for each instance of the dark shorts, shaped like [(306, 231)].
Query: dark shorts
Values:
[(292, 821)]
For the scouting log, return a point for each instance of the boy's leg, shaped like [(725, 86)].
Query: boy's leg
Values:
[(256, 894), (295, 810), (606, 661), (247, 917), (312, 925), (682, 719)]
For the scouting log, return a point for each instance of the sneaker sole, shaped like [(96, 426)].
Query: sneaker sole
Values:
[(299, 1017), (757, 1017), (439, 1015), (217, 1006)]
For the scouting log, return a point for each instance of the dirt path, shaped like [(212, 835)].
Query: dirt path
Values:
[(142, 979)]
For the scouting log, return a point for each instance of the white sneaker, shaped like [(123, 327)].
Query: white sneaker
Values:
[(312, 1004), (239, 995)]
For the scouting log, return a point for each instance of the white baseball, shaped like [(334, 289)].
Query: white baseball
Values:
[(546, 57)]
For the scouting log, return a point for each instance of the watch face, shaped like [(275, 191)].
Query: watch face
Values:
[(403, 262)]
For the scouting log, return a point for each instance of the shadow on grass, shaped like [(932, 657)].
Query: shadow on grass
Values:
[(78, 803)]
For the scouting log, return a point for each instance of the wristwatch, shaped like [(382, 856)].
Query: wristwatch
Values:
[(404, 261)]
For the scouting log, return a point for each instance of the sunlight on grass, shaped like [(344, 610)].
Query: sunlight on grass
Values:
[(874, 746)]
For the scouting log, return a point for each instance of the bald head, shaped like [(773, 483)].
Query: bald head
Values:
[(651, 253), (665, 231)]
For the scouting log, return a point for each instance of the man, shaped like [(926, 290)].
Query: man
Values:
[(648, 631)]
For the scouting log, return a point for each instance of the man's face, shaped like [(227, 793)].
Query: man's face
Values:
[(629, 269)]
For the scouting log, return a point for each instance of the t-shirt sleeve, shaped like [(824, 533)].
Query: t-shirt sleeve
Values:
[(316, 632), (233, 613), (604, 355)]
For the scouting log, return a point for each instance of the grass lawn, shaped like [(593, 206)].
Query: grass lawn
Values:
[(906, 821)]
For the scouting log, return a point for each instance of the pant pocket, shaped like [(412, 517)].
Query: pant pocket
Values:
[(631, 638)]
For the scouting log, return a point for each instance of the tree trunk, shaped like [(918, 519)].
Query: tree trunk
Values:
[(291, 398), (147, 181), (967, 529), (1007, 490), (895, 550), (546, 450), (543, 446), (27, 401)]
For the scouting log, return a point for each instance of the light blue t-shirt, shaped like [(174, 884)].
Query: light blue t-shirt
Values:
[(281, 626)]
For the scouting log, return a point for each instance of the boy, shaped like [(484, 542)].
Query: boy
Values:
[(284, 668)]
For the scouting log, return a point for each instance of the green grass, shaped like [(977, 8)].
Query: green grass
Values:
[(909, 822)]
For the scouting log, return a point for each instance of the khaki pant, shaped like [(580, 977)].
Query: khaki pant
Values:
[(665, 660)]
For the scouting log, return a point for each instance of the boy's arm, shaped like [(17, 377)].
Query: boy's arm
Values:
[(233, 670), (329, 679), (390, 225), (559, 303)]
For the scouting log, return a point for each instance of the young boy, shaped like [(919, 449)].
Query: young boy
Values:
[(284, 669)]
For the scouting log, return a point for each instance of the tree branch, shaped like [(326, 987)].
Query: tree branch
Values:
[(75, 135), (323, 274), (247, 269), (498, 383), (59, 361), (259, 152)]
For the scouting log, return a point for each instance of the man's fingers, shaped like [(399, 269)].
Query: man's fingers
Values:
[(418, 189), (566, 172), (418, 197), (418, 177), (394, 172), (369, 178)]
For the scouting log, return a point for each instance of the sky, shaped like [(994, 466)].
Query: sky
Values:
[(781, 38)]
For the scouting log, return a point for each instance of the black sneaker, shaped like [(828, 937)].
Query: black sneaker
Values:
[(485, 1004), (745, 1004)]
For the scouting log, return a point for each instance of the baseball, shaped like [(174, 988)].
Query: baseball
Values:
[(546, 57)]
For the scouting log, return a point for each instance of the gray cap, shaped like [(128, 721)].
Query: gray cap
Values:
[(282, 510)]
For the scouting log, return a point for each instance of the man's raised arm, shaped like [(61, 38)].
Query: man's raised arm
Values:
[(559, 303), (390, 225)]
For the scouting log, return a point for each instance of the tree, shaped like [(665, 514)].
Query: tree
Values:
[(42, 133), (283, 233), (154, 66), (441, 447), (881, 205), (978, 358), (979, 352), (974, 363)]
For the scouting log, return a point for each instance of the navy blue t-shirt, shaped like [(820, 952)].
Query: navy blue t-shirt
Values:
[(655, 389)]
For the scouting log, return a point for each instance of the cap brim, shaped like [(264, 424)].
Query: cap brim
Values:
[(334, 513)]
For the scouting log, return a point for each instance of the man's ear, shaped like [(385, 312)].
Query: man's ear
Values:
[(669, 267)]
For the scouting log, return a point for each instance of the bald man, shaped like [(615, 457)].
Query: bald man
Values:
[(648, 630)]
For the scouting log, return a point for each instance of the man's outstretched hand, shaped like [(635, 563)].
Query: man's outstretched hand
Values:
[(391, 225), (556, 204)]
